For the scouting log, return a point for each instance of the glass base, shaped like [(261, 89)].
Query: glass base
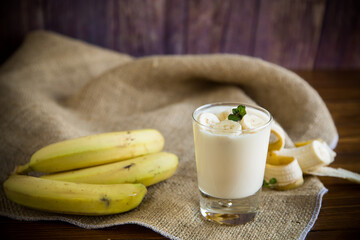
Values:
[(229, 211)]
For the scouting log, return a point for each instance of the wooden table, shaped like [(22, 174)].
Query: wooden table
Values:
[(340, 213)]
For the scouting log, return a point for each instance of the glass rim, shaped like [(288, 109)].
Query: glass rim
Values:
[(252, 130)]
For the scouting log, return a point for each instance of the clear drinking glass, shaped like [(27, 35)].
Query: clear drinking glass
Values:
[(230, 165)]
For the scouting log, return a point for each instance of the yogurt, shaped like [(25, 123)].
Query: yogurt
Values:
[(230, 156)]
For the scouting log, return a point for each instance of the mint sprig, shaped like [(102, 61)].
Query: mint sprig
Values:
[(270, 184), (237, 113)]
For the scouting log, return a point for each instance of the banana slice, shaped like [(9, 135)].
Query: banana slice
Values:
[(227, 127), (331, 152), (224, 115), (286, 171), (251, 121), (310, 156), (277, 138), (208, 119)]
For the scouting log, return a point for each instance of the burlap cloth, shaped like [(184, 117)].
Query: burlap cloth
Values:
[(54, 88)]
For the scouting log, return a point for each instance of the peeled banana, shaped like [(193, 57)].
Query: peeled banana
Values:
[(148, 170), (325, 147), (303, 143), (73, 198), (310, 156), (286, 171), (286, 165), (94, 150)]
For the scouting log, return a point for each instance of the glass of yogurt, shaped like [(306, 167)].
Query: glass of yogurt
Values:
[(230, 160)]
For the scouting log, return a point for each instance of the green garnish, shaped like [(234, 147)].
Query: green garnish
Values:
[(234, 117), (270, 184), (272, 181), (237, 113)]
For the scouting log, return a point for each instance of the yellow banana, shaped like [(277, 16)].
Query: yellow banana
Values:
[(94, 150), (73, 198), (148, 170)]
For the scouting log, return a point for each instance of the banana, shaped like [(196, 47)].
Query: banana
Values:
[(303, 143), (93, 150), (228, 125), (310, 156), (277, 138), (208, 119), (148, 170), (286, 171), (250, 121), (330, 151), (73, 198), (224, 115)]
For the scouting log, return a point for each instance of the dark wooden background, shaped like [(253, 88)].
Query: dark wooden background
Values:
[(297, 34)]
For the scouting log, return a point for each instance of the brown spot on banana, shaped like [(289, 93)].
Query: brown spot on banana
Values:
[(106, 201), (129, 166)]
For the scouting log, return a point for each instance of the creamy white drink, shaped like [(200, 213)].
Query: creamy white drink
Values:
[(230, 155)]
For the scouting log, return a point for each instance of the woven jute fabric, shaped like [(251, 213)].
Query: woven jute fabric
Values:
[(55, 88)]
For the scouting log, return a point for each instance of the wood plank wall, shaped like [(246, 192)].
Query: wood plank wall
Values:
[(297, 34)]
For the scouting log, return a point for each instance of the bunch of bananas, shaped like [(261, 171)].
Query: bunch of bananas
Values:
[(285, 166), (93, 175)]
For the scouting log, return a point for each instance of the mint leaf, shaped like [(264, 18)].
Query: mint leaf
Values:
[(242, 111), (265, 183), (234, 117), (237, 113), (269, 184), (273, 181)]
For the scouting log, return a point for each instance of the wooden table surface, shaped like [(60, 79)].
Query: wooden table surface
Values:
[(339, 217)]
